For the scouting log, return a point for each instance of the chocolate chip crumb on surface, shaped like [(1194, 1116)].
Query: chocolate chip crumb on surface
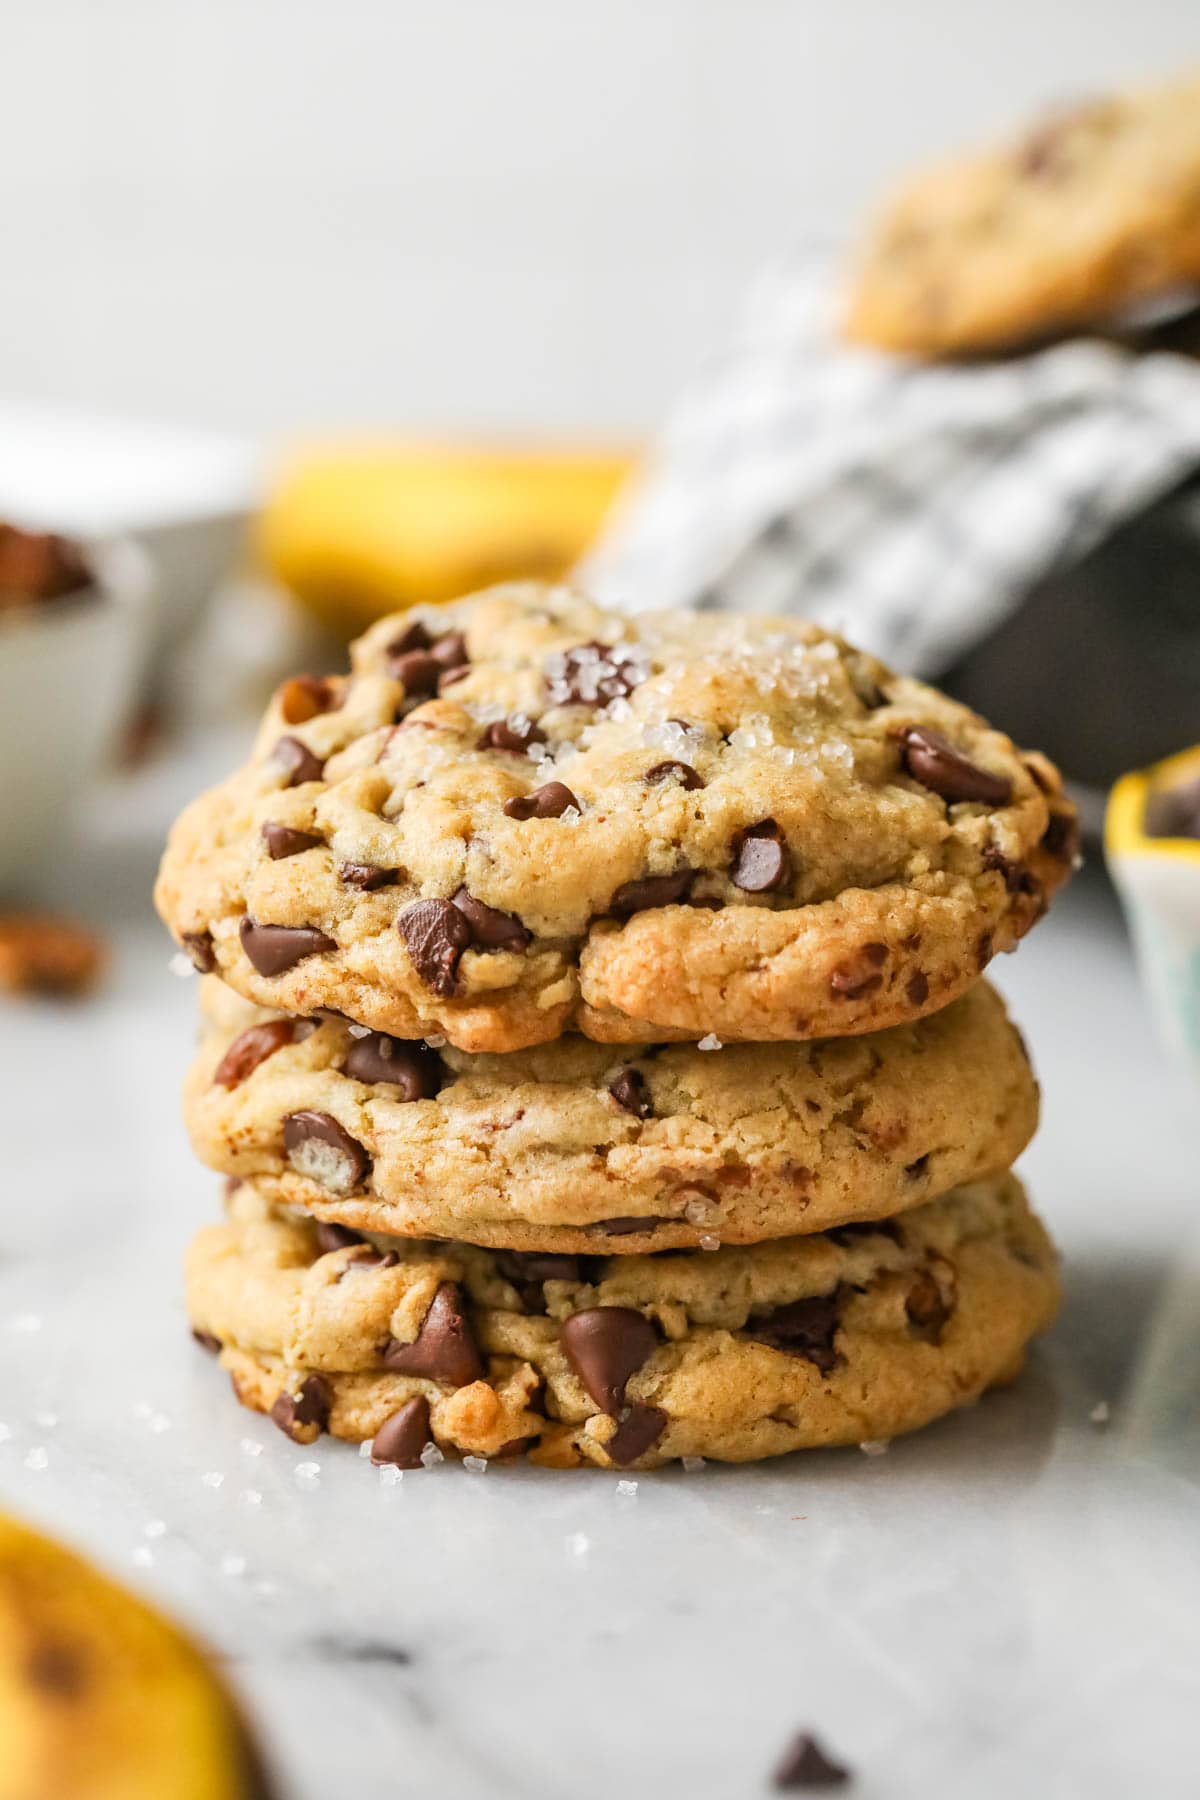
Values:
[(807, 1767)]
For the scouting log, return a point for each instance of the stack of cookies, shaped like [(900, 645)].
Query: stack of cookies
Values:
[(595, 1044)]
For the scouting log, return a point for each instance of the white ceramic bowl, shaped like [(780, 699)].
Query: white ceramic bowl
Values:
[(1159, 882), (68, 671)]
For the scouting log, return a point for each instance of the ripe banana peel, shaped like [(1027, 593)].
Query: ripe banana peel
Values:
[(101, 1698), (359, 530)]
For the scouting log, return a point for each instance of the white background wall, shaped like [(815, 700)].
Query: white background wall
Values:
[(272, 214)]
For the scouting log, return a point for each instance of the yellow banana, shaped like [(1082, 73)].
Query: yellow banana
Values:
[(100, 1698), (361, 529)]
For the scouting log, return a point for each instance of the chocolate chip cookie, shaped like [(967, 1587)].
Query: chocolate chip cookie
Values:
[(836, 1338), (579, 1146), (1094, 208), (525, 815)]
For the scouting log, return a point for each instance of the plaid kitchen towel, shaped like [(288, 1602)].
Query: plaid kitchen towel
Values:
[(909, 505)]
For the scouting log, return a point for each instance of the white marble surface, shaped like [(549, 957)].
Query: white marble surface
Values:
[(1009, 1603)]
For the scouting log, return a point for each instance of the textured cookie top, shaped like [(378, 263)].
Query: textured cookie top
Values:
[(1090, 210), (581, 1146), (821, 1339), (668, 825)]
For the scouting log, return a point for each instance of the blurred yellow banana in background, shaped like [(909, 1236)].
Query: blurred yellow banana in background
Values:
[(368, 527), (101, 1698)]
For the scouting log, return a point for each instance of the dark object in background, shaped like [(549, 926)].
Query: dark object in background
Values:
[(37, 565), (1100, 665)]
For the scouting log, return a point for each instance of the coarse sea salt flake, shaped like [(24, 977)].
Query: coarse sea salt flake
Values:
[(875, 1446), (37, 1458), (250, 1497), (709, 1242), (476, 1464), (182, 966), (711, 1042), (360, 1031), (431, 1456), (308, 1471), (154, 1528), (626, 1488), (692, 1464), (212, 1479), (390, 1475), (251, 1447)]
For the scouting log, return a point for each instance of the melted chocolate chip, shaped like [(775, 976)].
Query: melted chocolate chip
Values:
[(273, 949), (415, 636), (309, 1405), (549, 802), (628, 1088), (626, 1224), (933, 761), (926, 1307), (417, 669), (252, 1047), (285, 840), (199, 946), (592, 674), (323, 1151), (297, 762), (1061, 836), (445, 1349), (760, 858), (514, 734), (652, 890), (802, 1328), (605, 1345), (670, 770), (332, 1237), (401, 1439), (413, 1069), (207, 1341), (449, 651), (640, 1428), (529, 1270), (490, 928), (435, 934), (366, 877), (806, 1766), (917, 988)]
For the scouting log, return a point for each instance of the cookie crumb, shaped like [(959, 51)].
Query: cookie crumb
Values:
[(41, 954)]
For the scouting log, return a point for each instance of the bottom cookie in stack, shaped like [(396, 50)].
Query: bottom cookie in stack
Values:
[(841, 1337)]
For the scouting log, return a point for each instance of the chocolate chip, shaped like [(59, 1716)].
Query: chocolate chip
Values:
[(297, 762), (864, 1228), (285, 840), (760, 858), (933, 761), (450, 651), (490, 928), (401, 1439), (639, 1428), (681, 772), (529, 1270), (853, 984), (628, 1088), (417, 669), (332, 1237), (414, 1069), (592, 674), (626, 1224), (802, 1328), (1061, 836), (273, 949), (984, 951), (370, 1258), (807, 1766), (309, 1405), (917, 988), (250, 1048), (926, 1307), (415, 636), (323, 1151), (652, 890), (435, 934), (304, 696), (366, 876), (514, 734), (445, 1349), (549, 802), (207, 1341), (605, 1345), (199, 946), (448, 677)]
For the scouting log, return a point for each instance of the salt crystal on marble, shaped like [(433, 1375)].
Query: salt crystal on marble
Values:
[(182, 965), (233, 1565), (250, 1497), (476, 1464), (431, 1456), (251, 1447), (308, 1472), (154, 1528), (360, 1031), (364, 1449), (875, 1446), (711, 1042), (577, 1543), (1099, 1414), (212, 1479), (143, 1558), (709, 1242), (692, 1464), (626, 1488), (37, 1459), (390, 1475)]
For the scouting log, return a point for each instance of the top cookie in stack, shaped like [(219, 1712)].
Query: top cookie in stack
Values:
[(523, 815)]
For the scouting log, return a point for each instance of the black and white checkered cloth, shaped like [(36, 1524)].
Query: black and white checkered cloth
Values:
[(910, 506)]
